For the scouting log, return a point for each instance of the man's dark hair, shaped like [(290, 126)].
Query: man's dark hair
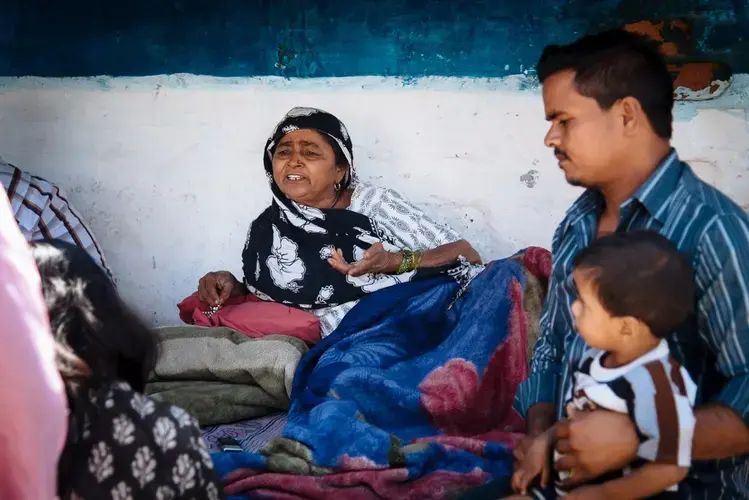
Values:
[(615, 64), (641, 274)]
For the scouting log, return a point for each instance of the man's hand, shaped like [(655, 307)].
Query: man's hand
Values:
[(376, 260), (595, 443)]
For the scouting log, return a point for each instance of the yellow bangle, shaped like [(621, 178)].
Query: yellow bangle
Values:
[(418, 257), (411, 261), (407, 262)]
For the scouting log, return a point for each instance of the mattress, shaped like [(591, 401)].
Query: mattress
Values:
[(251, 434)]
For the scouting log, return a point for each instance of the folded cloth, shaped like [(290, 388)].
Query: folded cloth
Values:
[(220, 375), (253, 317)]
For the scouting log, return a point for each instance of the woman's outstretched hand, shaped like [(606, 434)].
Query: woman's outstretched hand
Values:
[(376, 260), (216, 287)]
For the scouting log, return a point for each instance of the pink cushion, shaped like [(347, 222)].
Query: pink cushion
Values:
[(253, 317)]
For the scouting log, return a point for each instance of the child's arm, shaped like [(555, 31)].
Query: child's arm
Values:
[(535, 462), (644, 482)]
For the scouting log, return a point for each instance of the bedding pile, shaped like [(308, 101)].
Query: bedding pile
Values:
[(410, 397)]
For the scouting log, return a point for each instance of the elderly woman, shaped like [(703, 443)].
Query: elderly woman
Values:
[(438, 357), (326, 240)]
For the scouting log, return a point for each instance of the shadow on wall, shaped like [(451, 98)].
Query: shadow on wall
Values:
[(328, 38)]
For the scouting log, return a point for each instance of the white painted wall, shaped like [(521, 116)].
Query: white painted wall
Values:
[(168, 170)]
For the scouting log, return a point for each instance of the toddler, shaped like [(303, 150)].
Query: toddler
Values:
[(634, 289)]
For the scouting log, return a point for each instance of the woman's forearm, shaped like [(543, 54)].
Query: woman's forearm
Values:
[(378, 260), (449, 253)]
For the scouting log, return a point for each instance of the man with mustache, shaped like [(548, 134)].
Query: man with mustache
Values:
[(609, 100)]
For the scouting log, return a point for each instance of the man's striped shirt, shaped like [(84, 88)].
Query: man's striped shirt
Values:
[(43, 211)]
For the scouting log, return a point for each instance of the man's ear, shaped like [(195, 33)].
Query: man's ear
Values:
[(630, 113)]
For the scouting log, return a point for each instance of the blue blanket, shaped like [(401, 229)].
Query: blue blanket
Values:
[(412, 384)]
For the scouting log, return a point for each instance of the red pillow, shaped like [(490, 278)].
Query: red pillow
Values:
[(253, 317)]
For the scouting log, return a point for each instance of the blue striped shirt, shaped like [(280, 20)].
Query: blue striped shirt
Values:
[(713, 346)]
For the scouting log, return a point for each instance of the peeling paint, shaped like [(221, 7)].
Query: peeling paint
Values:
[(712, 91), (530, 178)]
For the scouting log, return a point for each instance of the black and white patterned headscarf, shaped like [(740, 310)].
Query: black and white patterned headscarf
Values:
[(286, 255)]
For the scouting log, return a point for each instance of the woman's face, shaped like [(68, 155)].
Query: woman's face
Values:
[(304, 168)]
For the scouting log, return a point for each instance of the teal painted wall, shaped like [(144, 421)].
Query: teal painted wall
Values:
[(330, 38)]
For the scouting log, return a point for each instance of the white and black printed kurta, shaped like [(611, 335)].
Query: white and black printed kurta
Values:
[(401, 224), (405, 224), (134, 447), (654, 390)]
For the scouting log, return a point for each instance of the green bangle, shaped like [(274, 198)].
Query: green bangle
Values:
[(407, 264), (418, 257)]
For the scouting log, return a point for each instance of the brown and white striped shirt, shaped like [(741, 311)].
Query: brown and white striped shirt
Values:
[(42, 211), (654, 390)]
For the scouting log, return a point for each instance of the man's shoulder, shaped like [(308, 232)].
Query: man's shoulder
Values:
[(7, 167), (587, 201), (8, 171), (695, 196), (23, 180)]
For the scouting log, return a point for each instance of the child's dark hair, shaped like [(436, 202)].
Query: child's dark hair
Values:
[(99, 339), (641, 274), (87, 315)]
